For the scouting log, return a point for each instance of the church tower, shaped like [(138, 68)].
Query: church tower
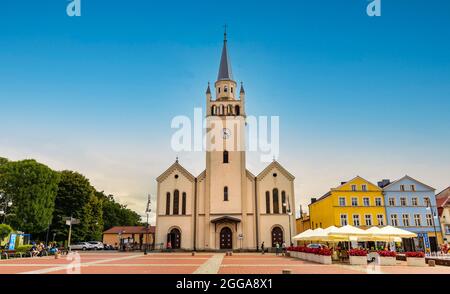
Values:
[(225, 148)]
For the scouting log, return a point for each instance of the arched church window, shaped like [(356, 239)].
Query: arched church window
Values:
[(213, 110), (276, 206), (168, 203), (238, 110), (283, 201), (231, 89), (230, 109), (183, 205), (267, 202), (176, 202), (225, 89), (225, 193), (222, 109), (225, 157), (218, 89)]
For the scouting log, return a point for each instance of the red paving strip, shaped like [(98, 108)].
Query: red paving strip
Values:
[(263, 261), (158, 261), (415, 270), (278, 270), (133, 270)]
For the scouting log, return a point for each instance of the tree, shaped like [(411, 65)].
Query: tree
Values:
[(116, 214), (73, 196), (3, 160), (5, 230), (32, 188), (94, 219)]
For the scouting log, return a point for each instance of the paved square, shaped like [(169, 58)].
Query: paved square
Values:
[(185, 263)]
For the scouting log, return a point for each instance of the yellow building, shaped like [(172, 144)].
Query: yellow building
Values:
[(302, 223), (357, 202)]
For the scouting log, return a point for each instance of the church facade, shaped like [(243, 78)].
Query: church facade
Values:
[(225, 207)]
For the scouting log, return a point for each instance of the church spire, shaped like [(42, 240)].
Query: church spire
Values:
[(225, 72)]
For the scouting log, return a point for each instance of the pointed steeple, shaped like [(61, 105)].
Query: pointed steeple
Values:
[(225, 72), (208, 90), (242, 88)]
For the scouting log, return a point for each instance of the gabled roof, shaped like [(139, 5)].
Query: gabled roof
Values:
[(357, 177), (444, 193), (409, 178), (175, 166), (275, 164), (441, 202)]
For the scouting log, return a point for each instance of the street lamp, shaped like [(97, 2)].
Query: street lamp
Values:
[(430, 208), (289, 213)]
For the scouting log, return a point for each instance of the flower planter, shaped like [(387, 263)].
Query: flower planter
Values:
[(358, 260), (325, 259), (387, 260), (416, 261)]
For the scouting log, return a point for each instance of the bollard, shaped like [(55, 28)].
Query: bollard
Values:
[(193, 253), (57, 255), (286, 272), (431, 262)]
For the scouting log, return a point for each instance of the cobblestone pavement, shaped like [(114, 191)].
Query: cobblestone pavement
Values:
[(185, 263)]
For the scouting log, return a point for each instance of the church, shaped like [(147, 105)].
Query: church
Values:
[(226, 207)]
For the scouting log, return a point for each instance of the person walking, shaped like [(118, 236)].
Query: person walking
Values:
[(277, 248), (283, 248), (262, 247)]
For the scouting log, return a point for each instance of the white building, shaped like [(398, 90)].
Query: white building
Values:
[(226, 206)]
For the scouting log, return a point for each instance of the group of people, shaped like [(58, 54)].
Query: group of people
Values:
[(279, 248), (42, 250)]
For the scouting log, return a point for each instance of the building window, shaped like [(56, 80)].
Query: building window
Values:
[(429, 220), (276, 205), (231, 89), (405, 219), (402, 187), (225, 193), (391, 201), (417, 221), (403, 201), (183, 204), (413, 188), (447, 229), (368, 218), (237, 110), (366, 201), (225, 156), (354, 201), (225, 89), (283, 202), (168, 203), (394, 220), (218, 89), (353, 187), (426, 201), (176, 202), (356, 220), (267, 202), (364, 187), (341, 201), (414, 201), (344, 220), (380, 219), (378, 201)]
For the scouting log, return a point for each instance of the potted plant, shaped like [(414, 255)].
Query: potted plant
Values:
[(387, 257), (357, 256), (416, 258)]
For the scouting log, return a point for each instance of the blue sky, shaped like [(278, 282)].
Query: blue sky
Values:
[(356, 95)]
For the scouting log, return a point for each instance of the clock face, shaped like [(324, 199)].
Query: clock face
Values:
[(226, 133)]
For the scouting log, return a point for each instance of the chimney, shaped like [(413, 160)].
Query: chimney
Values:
[(313, 200), (383, 183)]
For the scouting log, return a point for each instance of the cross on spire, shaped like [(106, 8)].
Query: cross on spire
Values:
[(225, 26)]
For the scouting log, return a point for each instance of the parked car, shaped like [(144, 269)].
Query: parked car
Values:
[(96, 245), (315, 246), (81, 246)]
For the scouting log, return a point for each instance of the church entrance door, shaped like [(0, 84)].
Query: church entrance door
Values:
[(277, 236), (226, 238)]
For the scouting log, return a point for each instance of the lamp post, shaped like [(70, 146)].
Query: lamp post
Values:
[(289, 213), (430, 208), (147, 211)]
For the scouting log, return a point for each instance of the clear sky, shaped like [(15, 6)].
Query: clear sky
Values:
[(356, 95)]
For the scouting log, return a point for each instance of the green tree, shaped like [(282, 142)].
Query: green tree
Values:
[(3, 160), (74, 194), (116, 214), (5, 230), (94, 219), (32, 188)]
